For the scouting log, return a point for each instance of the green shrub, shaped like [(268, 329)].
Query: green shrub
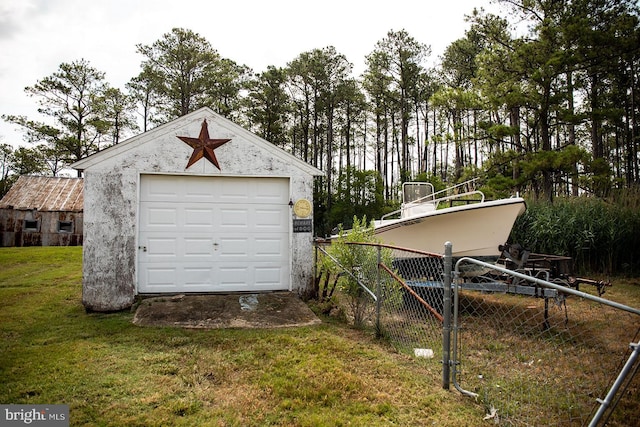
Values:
[(361, 263)]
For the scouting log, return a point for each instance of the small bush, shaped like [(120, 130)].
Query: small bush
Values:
[(355, 259)]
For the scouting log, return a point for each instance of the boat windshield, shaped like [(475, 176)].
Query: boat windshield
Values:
[(417, 191)]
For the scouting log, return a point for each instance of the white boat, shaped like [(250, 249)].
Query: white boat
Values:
[(428, 219)]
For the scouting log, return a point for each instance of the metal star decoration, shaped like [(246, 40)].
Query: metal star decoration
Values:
[(203, 146)]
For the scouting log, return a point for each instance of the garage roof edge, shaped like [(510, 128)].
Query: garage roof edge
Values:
[(204, 112)]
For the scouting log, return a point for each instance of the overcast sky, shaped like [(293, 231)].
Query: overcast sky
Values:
[(36, 36)]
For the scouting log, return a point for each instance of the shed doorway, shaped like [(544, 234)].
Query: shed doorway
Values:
[(200, 234)]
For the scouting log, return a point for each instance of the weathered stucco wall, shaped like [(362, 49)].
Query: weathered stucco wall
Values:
[(302, 255), (111, 200), (109, 240)]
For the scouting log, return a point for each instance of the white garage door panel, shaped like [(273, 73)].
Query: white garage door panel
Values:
[(161, 216), (233, 247), (223, 189), (259, 276), (265, 247), (196, 277), (235, 192), (270, 191), (196, 192), (228, 279), (157, 216), (161, 276), (202, 234), (198, 247), (169, 190), (237, 276), (201, 217), (161, 247), (267, 276), (231, 218), (270, 219)]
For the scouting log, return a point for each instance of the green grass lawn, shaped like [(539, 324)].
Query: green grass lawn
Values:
[(111, 372)]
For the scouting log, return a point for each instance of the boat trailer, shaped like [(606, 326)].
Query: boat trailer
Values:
[(551, 268)]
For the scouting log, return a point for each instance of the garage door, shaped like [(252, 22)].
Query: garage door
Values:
[(213, 234)]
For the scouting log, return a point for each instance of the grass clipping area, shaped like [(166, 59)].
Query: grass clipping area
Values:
[(111, 372)]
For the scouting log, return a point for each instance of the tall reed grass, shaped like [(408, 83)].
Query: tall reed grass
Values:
[(602, 237)]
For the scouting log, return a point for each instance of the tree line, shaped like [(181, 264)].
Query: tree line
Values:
[(542, 99)]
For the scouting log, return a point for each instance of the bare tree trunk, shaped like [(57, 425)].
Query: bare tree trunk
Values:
[(572, 132), (435, 147)]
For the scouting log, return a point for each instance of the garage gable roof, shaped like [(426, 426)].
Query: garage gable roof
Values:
[(201, 114)]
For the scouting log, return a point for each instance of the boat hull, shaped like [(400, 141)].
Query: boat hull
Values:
[(475, 230)]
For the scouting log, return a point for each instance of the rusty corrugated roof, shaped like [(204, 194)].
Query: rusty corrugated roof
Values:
[(45, 193)]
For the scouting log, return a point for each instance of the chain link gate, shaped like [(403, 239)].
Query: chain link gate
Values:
[(538, 353)]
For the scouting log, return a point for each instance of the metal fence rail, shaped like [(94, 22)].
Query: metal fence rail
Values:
[(530, 351)]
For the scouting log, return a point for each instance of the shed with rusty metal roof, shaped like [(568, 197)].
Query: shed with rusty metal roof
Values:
[(42, 211)]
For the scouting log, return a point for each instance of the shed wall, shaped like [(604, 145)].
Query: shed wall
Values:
[(12, 232)]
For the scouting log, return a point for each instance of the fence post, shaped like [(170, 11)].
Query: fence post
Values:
[(378, 293), (446, 324)]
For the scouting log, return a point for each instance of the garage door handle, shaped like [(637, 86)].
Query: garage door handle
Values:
[(144, 248), (215, 245)]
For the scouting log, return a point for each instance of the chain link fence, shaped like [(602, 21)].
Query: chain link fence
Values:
[(375, 290), (536, 355), (529, 353)]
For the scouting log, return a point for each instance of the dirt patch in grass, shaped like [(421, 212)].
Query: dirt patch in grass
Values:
[(263, 310)]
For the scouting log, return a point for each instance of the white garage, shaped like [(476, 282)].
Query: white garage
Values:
[(201, 234), (197, 205)]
